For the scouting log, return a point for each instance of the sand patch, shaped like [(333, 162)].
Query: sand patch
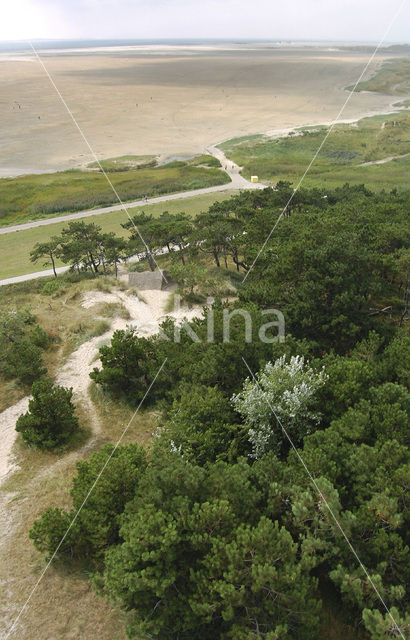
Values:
[(145, 317), (8, 419)]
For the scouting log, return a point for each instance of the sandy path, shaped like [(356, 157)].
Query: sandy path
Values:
[(74, 373), (8, 419), (144, 316), (384, 160), (233, 170)]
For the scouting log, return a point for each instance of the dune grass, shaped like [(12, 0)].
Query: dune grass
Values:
[(42, 481), (61, 315), (32, 197), (15, 247), (124, 163), (204, 160), (392, 77), (342, 158)]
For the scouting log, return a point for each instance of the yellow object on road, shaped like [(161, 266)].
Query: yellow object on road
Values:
[(254, 179)]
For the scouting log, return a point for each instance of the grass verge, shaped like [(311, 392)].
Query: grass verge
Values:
[(15, 247)]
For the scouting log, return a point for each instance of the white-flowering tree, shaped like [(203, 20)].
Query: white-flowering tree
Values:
[(282, 392)]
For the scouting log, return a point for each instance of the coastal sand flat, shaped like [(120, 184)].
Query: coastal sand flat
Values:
[(168, 102)]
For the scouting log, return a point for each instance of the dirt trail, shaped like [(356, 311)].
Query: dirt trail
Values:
[(145, 313), (8, 419), (384, 160)]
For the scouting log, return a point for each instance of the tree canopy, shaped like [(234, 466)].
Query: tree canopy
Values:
[(217, 529)]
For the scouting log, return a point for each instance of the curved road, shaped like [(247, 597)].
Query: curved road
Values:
[(232, 169)]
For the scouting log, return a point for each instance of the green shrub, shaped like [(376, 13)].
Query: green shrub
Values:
[(24, 361), (52, 286), (22, 342), (97, 524), (50, 420)]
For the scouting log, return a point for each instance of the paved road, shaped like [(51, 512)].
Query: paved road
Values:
[(232, 169), (32, 276)]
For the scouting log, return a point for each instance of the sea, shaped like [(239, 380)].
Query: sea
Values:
[(81, 46)]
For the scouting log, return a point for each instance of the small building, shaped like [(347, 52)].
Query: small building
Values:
[(254, 178), (147, 280)]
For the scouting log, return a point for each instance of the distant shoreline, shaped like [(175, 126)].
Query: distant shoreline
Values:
[(64, 47)]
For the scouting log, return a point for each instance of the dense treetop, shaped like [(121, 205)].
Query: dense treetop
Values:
[(217, 531)]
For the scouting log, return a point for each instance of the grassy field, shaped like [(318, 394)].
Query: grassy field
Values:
[(33, 197), (343, 158), (393, 77), (15, 247)]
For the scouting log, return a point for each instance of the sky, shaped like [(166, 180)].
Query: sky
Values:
[(348, 20)]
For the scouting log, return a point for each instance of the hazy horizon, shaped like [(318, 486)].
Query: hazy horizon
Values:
[(232, 39), (271, 20)]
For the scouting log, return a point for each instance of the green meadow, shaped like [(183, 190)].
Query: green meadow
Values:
[(393, 77), (344, 157), (32, 197)]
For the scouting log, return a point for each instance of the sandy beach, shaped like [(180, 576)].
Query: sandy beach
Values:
[(166, 100)]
